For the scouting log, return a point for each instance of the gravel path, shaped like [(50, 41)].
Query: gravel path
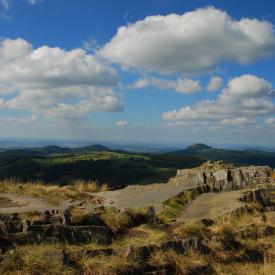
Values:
[(136, 196), (210, 205), (19, 203)]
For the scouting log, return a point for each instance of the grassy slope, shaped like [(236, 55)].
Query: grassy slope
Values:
[(115, 168)]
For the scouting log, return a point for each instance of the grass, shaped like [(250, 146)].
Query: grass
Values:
[(108, 265), (224, 256), (190, 229), (175, 205), (88, 186), (142, 235), (35, 260), (245, 268), (115, 219), (189, 263), (54, 194)]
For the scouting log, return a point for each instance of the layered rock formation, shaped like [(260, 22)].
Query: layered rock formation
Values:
[(218, 176)]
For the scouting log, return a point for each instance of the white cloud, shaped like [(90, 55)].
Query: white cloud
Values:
[(54, 82), (193, 42), (181, 85), (90, 45), (237, 121), (30, 119), (214, 84), (243, 99), (122, 123), (270, 121), (6, 3)]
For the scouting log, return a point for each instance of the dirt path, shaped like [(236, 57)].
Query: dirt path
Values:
[(205, 206), (141, 196), (210, 205), (19, 203)]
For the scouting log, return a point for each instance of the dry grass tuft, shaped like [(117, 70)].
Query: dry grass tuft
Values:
[(115, 219), (179, 263), (191, 229), (35, 260), (107, 265), (54, 194), (142, 235), (89, 186)]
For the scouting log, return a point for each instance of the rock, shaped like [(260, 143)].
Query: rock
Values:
[(269, 208), (25, 238), (218, 176), (259, 196), (3, 229), (207, 222), (92, 219), (137, 218)]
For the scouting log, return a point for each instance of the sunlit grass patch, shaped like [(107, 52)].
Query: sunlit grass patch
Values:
[(142, 235), (179, 263), (88, 186), (108, 265), (175, 205), (54, 194)]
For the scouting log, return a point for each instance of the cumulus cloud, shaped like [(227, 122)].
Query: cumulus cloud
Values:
[(90, 45), (54, 82), (237, 121), (193, 42), (243, 99), (181, 85), (122, 123), (214, 84), (270, 121)]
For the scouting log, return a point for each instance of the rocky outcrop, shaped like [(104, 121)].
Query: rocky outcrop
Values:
[(51, 228), (218, 176)]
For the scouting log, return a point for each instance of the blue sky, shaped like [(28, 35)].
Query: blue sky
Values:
[(177, 71)]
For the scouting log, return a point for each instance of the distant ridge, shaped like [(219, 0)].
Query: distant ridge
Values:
[(239, 157), (52, 149), (197, 147), (96, 147)]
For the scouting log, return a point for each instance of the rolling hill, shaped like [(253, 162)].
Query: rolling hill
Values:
[(115, 167), (238, 157)]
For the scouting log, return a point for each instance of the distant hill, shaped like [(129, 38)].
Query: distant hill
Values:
[(52, 149), (95, 147), (197, 148), (239, 157), (116, 167)]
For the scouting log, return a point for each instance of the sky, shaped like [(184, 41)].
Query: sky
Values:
[(138, 71)]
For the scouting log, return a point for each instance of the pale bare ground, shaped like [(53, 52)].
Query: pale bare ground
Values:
[(19, 203), (137, 196), (206, 205), (211, 205)]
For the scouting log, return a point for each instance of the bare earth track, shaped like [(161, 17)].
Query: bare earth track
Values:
[(141, 196)]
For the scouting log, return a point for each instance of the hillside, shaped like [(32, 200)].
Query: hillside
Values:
[(238, 157), (224, 225), (95, 162)]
